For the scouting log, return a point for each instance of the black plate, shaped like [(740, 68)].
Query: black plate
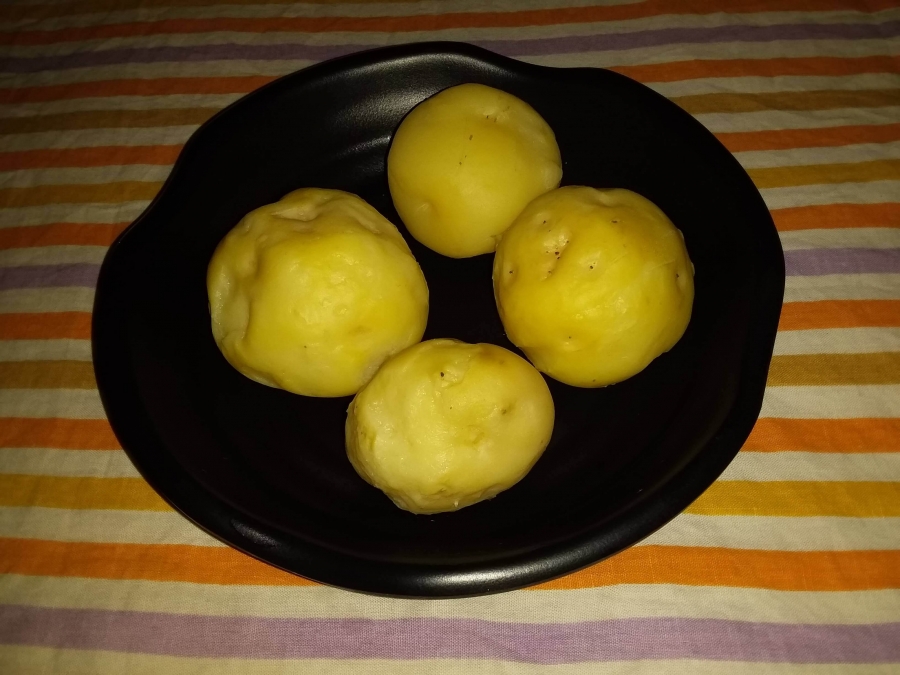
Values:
[(265, 470)]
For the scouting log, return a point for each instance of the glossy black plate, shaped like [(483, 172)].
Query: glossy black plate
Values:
[(265, 470)]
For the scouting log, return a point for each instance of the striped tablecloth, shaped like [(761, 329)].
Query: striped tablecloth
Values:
[(788, 564)]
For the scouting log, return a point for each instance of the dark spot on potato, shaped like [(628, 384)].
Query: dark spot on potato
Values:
[(442, 374), (470, 136)]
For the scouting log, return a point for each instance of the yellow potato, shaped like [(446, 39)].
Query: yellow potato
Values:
[(465, 162), (312, 293), (593, 284), (447, 424)]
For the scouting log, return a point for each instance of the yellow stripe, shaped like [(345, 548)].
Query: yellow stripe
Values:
[(47, 375), (856, 499), (832, 369), (780, 498), (787, 100), (79, 493), (860, 172)]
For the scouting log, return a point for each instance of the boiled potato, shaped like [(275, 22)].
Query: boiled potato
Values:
[(465, 162), (312, 293), (593, 284), (447, 424)]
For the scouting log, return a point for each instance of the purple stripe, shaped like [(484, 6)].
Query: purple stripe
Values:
[(535, 47), (48, 276), (815, 262), (418, 638)]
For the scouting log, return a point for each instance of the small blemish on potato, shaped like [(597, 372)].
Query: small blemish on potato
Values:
[(470, 136), (442, 374)]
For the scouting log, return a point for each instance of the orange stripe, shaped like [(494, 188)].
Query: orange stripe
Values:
[(424, 22), (662, 72), (43, 326), (781, 570), (813, 65), (833, 216), (64, 434), (60, 234), (825, 435), (88, 157), (840, 314), (785, 139)]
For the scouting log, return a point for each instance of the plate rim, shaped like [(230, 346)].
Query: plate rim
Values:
[(287, 552)]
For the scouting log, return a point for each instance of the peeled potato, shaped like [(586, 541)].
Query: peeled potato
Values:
[(593, 284), (465, 162), (312, 293), (447, 424)]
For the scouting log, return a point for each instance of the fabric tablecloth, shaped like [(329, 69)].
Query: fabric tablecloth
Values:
[(790, 563)]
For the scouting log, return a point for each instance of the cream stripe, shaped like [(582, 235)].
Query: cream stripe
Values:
[(862, 237), (769, 120), (795, 83), (747, 532), (117, 527), (367, 38), (84, 175), (838, 341), (45, 350), (29, 300), (781, 534), (844, 154), (122, 212), (813, 466), (43, 660), (872, 192), (832, 402), (43, 403), (52, 255), (590, 604), (90, 138), (843, 287), (53, 462), (169, 101)]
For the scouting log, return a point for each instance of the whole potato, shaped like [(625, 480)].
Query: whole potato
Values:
[(465, 162), (593, 284), (445, 424), (312, 293)]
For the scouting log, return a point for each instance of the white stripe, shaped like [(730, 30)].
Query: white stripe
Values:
[(31, 300), (68, 463), (52, 255), (778, 120), (45, 350), (101, 526), (832, 402), (850, 237), (42, 660), (45, 403), (838, 341), (84, 175), (739, 532), (588, 604), (121, 212), (780, 533), (814, 466), (777, 84), (870, 192), (90, 138), (843, 287), (844, 154)]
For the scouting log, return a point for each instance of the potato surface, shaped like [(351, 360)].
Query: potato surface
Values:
[(312, 293), (445, 424), (593, 284), (465, 162)]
